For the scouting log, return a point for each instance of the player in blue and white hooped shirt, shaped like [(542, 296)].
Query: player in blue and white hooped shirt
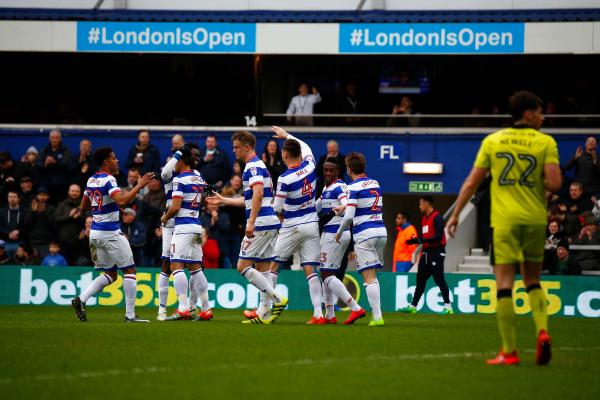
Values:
[(332, 252), (261, 227), (109, 248), (186, 242), (364, 210), (198, 278), (299, 233)]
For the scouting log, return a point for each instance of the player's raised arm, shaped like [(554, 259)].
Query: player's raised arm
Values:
[(281, 133), (169, 168), (467, 190)]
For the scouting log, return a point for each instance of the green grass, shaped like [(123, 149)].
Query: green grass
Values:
[(47, 354)]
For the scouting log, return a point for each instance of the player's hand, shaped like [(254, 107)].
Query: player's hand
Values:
[(279, 133), (215, 199), (451, 225), (249, 229), (338, 236), (339, 210), (163, 220), (145, 180), (579, 152)]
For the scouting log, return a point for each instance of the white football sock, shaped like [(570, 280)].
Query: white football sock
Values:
[(180, 282), (199, 284), (316, 294), (264, 308), (328, 299), (97, 285), (129, 287), (193, 300), (372, 290), (261, 283), (274, 278), (163, 290), (337, 287)]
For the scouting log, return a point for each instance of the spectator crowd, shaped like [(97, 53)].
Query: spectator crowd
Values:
[(40, 194)]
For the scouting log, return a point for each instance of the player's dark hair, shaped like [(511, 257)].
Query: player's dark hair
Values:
[(292, 147), (101, 154), (428, 199), (523, 101), (244, 137), (356, 163), (332, 160), (186, 154)]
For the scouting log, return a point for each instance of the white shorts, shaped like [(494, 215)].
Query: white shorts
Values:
[(167, 234), (186, 248), (332, 252), (369, 253), (303, 239), (260, 247), (111, 253)]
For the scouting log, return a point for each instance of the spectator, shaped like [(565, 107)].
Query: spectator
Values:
[(348, 103), (214, 163), (136, 233), (84, 256), (24, 256), (69, 221), (155, 197), (39, 222), (54, 259), (301, 107), (27, 193), (238, 167), (210, 252), (57, 162), (234, 187), (177, 142), (555, 235), (333, 151), (9, 176), (562, 264), (272, 159), (587, 168), (578, 203), (30, 164), (589, 235), (133, 175), (144, 155), (85, 164), (218, 227), (571, 225), (5, 259), (237, 219), (153, 249), (12, 223), (402, 261), (404, 108)]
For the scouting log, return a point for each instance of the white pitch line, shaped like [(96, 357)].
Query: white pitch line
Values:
[(299, 362)]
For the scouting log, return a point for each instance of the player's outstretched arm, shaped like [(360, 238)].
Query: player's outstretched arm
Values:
[(123, 199), (217, 199), (346, 221), (467, 190)]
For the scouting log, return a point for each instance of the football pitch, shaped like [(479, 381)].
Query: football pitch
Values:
[(47, 354)]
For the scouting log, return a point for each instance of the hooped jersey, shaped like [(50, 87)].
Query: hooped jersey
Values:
[(331, 198), (105, 211), (256, 173), (365, 194), (188, 186)]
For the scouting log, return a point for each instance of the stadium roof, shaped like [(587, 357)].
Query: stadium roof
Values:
[(564, 15)]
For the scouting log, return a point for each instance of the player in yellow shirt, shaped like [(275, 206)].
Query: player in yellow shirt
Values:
[(522, 162)]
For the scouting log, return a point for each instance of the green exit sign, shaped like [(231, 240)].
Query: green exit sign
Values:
[(427, 187)]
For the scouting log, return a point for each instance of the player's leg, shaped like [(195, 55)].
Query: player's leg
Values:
[(367, 253), (423, 275), (437, 271), (505, 253), (163, 278), (315, 291), (120, 251), (180, 255), (199, 287), (198, 290), (308, 248), (531, 270)]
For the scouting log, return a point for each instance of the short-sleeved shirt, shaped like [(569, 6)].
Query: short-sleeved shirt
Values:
[(105, 211), (297, 186), (188, 185), (256, 173), (331, 198), (516, 157), (365, 194)]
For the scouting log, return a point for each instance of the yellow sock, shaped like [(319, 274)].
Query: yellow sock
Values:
[(505, 313), (539, 307)]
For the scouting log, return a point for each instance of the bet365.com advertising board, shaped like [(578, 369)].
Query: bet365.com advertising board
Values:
[(567, 295)]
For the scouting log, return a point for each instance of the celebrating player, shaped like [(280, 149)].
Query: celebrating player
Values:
[(334, 195), (261, 227), (110, 250), (186, 242), (364, 210), (167, 174), (299, 233), (523, 162)]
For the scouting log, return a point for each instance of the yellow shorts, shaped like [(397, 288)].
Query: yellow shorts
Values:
[(518, 243)]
